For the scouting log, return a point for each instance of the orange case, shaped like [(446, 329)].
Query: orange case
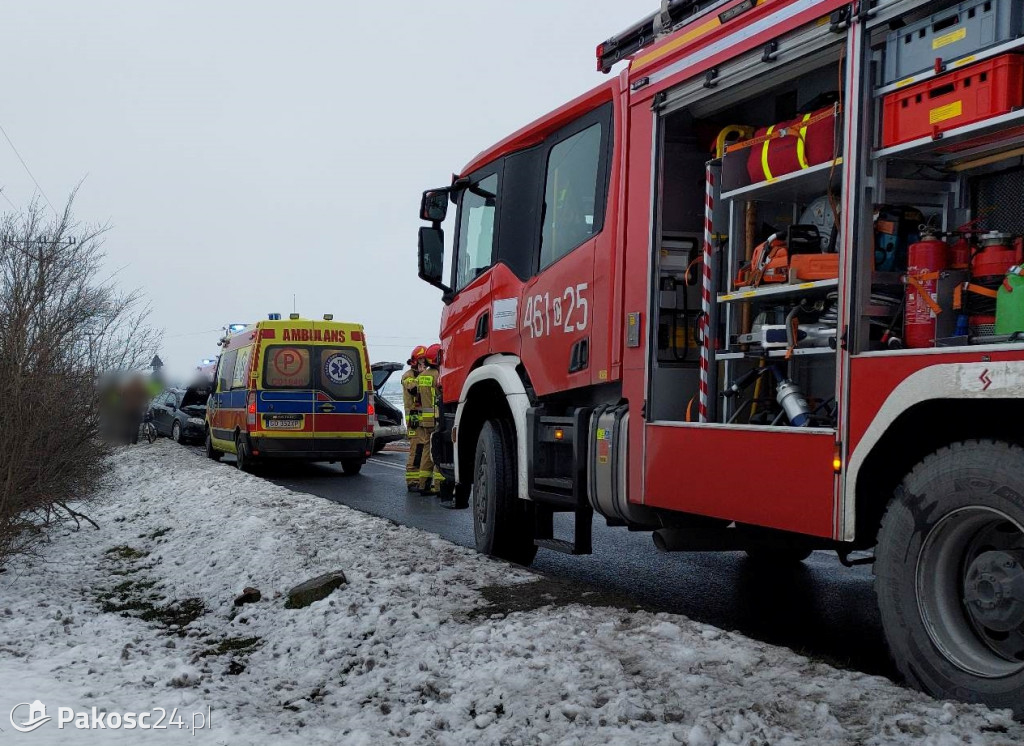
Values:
[(811, 267)]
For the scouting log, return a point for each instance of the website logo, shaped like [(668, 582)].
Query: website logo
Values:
[(36, 716), (27, 716)]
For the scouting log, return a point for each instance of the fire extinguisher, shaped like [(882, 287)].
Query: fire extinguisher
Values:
[(925, 260), (997, 254), (961, 250)]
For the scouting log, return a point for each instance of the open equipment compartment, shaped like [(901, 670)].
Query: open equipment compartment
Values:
[(770, 152), (946, 153)]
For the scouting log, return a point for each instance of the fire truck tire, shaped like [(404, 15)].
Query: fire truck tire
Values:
[(351, 466), (949, 574), (211, 452), (502, 523)]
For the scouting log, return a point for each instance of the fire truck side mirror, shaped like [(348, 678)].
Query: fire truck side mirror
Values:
[(434, 205), (431, 259)]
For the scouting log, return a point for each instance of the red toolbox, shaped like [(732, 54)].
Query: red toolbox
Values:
[(960, 97)]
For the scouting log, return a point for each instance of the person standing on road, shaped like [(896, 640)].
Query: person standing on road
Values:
[(411, 402), (429, 380)]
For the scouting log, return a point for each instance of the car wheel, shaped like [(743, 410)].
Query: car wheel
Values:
[(211, 452), (351, 466), (502, 523), (243, 459), (949, 574), (176, 432)]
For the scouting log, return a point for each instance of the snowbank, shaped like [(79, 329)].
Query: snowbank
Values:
[(418, 647)]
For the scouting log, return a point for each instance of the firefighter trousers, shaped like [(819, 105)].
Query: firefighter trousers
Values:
[(426, 461), (417, 442)]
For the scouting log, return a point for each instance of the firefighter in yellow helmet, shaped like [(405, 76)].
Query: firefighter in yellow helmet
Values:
[(429, 381), (411, 402)]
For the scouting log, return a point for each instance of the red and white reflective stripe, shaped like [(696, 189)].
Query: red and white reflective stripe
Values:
[(705, 296)]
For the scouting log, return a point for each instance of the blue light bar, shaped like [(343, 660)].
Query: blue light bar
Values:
[(235, 328), (274, 316)]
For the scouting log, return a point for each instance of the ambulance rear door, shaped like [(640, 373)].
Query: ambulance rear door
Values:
[(341, 396), (285, 396)]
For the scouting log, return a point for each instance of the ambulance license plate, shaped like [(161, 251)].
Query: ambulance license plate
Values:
[(284, 424)]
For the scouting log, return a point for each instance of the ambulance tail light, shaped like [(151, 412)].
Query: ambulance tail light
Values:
[(371, 415), (251, 409)]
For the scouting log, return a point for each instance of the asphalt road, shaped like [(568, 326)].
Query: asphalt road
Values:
[(819, 608)]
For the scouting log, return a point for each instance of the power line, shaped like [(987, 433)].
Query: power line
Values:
[(4, 194), (193, 334), (371, 343), (27, 170)]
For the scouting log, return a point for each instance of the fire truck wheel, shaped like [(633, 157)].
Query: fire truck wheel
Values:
[(351, 466), (502, 523), (949, 574), (211, 452)]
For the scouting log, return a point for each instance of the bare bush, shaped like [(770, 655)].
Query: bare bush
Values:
[(62, 326)]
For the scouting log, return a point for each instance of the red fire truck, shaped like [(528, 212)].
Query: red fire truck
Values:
[(754, 293)]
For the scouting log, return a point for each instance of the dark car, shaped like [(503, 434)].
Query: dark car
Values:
[(180, 414), (390, 419)]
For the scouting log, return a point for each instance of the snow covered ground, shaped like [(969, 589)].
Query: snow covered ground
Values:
[(428, 643)]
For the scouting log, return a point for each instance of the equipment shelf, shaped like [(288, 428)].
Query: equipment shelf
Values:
[(793, 187), (993, 135), (776, 354), (781, 289)]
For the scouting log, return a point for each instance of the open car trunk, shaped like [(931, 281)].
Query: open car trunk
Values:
[(390, 419)]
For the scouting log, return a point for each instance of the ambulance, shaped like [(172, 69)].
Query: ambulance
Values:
[(292, 389)]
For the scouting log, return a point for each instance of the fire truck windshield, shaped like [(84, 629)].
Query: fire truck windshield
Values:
[(475, 251)]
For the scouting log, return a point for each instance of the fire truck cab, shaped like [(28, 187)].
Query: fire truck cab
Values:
[(756, 292)]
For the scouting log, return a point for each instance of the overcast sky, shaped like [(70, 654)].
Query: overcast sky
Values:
[(245, 151)]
